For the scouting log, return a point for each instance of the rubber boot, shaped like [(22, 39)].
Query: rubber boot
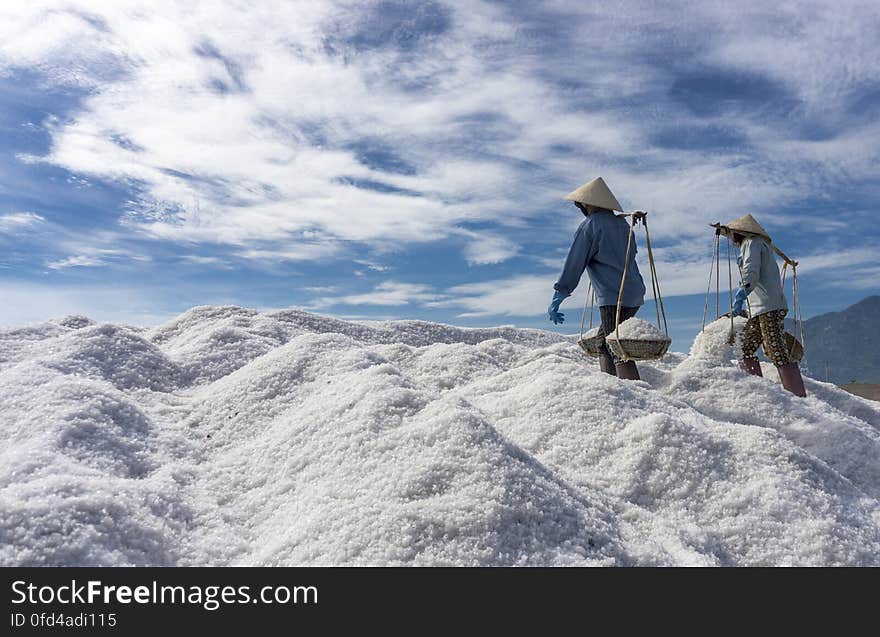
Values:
[(791, 378), (606, 364), (627, 370), (751, 365)]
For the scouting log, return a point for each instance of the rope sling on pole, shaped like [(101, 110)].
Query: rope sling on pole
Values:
[(716, 258), (715, 267), (796, 308), (718, 282), (709, 284), (799, 313), (655, 280), (730, 288), (796, 312), (591, 300), (637, 217)]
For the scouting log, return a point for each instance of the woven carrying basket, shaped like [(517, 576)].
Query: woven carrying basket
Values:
[(590, 345), (637, 350)]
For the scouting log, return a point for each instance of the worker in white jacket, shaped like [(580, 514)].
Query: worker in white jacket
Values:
[(761, 287)]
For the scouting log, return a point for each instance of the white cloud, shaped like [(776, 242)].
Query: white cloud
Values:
[(386, 293), (819, 49), (244, 124), (88, 253), (202, 260), (16, 221), (291, 252), (861, 277), (516, 296), (375, 267), (76, 261), (484, 249), (834, 260)]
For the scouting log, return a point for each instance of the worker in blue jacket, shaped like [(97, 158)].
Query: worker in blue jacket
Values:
[(599, 247)]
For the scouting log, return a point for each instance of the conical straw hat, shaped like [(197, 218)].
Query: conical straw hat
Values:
[(749, 226), (595, 193)]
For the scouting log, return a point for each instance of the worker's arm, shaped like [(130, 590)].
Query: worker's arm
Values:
[(578, 256), (751, 265)]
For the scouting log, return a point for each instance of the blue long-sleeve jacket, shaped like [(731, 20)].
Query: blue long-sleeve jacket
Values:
[(600, 247)]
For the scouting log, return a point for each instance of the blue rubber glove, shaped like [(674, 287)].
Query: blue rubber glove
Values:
[(738, 302), (555, 315)]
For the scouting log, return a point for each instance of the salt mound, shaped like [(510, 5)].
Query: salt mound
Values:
[(637, 329), (75, 321), (16, 343), (230, 436), (712, 346), (77, 519), (115, 354), (692, 485), (210, 342), (402, 476), (81, 482), (88, 422)]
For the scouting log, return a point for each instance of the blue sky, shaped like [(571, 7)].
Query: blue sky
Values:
[(409, 159)]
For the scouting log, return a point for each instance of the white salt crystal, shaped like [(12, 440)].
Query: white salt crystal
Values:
[(637, 329)]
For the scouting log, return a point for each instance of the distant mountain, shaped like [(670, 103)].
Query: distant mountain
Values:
[(845, 345)]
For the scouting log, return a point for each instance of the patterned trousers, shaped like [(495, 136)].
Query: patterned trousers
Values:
[(609, 314), (767, 329)]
